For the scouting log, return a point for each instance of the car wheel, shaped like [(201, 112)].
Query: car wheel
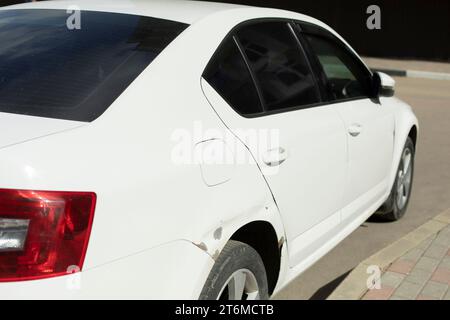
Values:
[(238, 274), (395, 207)]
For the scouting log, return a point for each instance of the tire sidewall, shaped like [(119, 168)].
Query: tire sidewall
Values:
[(241, 256), (396, 211)]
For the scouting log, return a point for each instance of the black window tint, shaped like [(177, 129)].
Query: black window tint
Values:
[(347, 78), (228, 74), (50, 71), (281, 69)]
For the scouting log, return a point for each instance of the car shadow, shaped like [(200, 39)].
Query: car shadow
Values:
[(325, 291), (377, 219)]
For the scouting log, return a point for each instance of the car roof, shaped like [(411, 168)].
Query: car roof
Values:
[(185, 11), (218, 16)]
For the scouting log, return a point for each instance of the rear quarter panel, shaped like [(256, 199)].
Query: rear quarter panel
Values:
[(145, 198)]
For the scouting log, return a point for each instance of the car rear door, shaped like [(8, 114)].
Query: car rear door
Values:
[(369, 125), (262, 73)]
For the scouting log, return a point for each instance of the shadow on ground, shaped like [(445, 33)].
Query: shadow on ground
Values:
[(328, 289)]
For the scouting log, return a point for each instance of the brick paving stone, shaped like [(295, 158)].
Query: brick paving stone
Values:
[(423, 273), (408, 290), (428, 264), (402, 266), (379, 294), (436, 251), (414, 254), (392, 279), (419, 276), (441, 275), (446, 230), (426, 243), (422, 297), (394, 297), (445, 263), (443, 238), (434, 289), (447, 295)]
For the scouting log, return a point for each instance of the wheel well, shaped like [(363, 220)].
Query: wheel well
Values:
[(413, 134), (261, 236)]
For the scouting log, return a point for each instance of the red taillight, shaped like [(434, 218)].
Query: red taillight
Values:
[(43, 233)]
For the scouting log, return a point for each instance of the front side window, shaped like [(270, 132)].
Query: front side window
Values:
[(49, 70), (346, 77), (228, 74), (281, 70)]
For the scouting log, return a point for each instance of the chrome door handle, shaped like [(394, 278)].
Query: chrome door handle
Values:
[(275, 157), (355, 130)]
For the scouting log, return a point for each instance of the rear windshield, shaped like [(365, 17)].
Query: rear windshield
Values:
[(73, 66)]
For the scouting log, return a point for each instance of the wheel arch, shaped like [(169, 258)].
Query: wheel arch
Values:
[(406, 126), (413, 134), (262, 237)]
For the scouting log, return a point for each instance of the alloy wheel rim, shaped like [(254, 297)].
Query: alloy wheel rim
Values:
[(404, 177), (241, 285)]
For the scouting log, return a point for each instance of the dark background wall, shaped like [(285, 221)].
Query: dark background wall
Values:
[(417, 29), (412, 29)]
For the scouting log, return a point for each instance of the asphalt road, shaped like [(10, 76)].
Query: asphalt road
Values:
[(430, 100)]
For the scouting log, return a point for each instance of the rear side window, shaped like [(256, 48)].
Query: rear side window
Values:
[(281, 69), (346, 76), (228, 74), (47, 70)]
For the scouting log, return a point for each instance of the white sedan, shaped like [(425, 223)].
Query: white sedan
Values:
[(185, 150)]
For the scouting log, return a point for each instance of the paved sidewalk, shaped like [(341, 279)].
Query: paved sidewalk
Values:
[(416, 266), (428, 66), (423, 273)]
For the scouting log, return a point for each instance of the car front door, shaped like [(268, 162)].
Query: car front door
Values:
[(369, 125), (262, 73)]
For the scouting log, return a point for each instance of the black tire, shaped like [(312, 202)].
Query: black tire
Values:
[(234, 257), (390, 210)]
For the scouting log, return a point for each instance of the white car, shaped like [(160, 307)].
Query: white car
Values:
[(186, 150)]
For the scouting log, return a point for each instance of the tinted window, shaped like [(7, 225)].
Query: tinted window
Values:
[(346, 76), (281, 69), (48, 70), (228, 74)]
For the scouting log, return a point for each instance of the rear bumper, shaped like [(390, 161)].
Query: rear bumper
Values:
[(177, 270)]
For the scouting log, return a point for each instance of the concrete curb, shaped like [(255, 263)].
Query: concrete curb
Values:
[(414, 74), (355, 284)]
